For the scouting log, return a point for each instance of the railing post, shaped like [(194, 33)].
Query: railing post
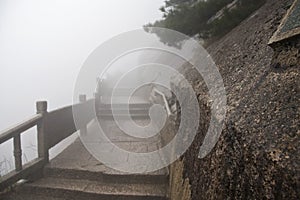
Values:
[(83, 129), (99, 89), (18, 152), (43, 151), (97, 101)]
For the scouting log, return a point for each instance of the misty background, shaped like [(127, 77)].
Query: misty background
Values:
[(43, 45)]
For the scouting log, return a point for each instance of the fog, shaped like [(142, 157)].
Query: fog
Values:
[(43, 44)]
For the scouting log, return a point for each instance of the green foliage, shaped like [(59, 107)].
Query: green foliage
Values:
[(191, 16)]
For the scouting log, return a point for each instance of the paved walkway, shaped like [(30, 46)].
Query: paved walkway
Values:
[(83, 160), (76, 174)]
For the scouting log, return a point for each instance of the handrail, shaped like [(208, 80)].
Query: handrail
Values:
[(166, 134), (19, 128), (164, 99)]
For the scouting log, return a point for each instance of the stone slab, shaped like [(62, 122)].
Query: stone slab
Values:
[(81, 189), (289, 26)]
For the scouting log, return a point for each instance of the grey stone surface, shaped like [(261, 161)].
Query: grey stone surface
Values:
[(293, 20), (289, 26), (84, 161), (15, 196), (96, 187)]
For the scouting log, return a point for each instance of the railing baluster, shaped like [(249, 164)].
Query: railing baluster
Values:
[(18, 152)]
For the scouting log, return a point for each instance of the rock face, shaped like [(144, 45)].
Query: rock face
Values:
[(286, 40), (286, 53), (257, 155)]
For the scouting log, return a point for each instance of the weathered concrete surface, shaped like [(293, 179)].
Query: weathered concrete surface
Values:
[(257, 156), (82, 189), (82, 165)]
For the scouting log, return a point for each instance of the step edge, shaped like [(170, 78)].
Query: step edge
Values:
[(62, 189)]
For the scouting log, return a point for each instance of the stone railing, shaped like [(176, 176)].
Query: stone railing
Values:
[(52, 128)]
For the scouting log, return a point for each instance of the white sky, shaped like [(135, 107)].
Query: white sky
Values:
[(43, 44)]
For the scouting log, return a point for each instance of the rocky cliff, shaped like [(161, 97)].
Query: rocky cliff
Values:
[(257, 155)]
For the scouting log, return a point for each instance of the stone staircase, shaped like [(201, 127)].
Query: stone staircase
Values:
[(80, 176), (76, 174), (136, 110)]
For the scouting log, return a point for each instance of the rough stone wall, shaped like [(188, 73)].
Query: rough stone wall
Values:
[(257, 155), (287, 53), (180, 183), (180, 188)]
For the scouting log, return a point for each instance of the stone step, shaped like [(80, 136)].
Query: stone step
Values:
[(124, 105), (108, 176), (124, 116), (92, 190), (123, 111), (20, 196)]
